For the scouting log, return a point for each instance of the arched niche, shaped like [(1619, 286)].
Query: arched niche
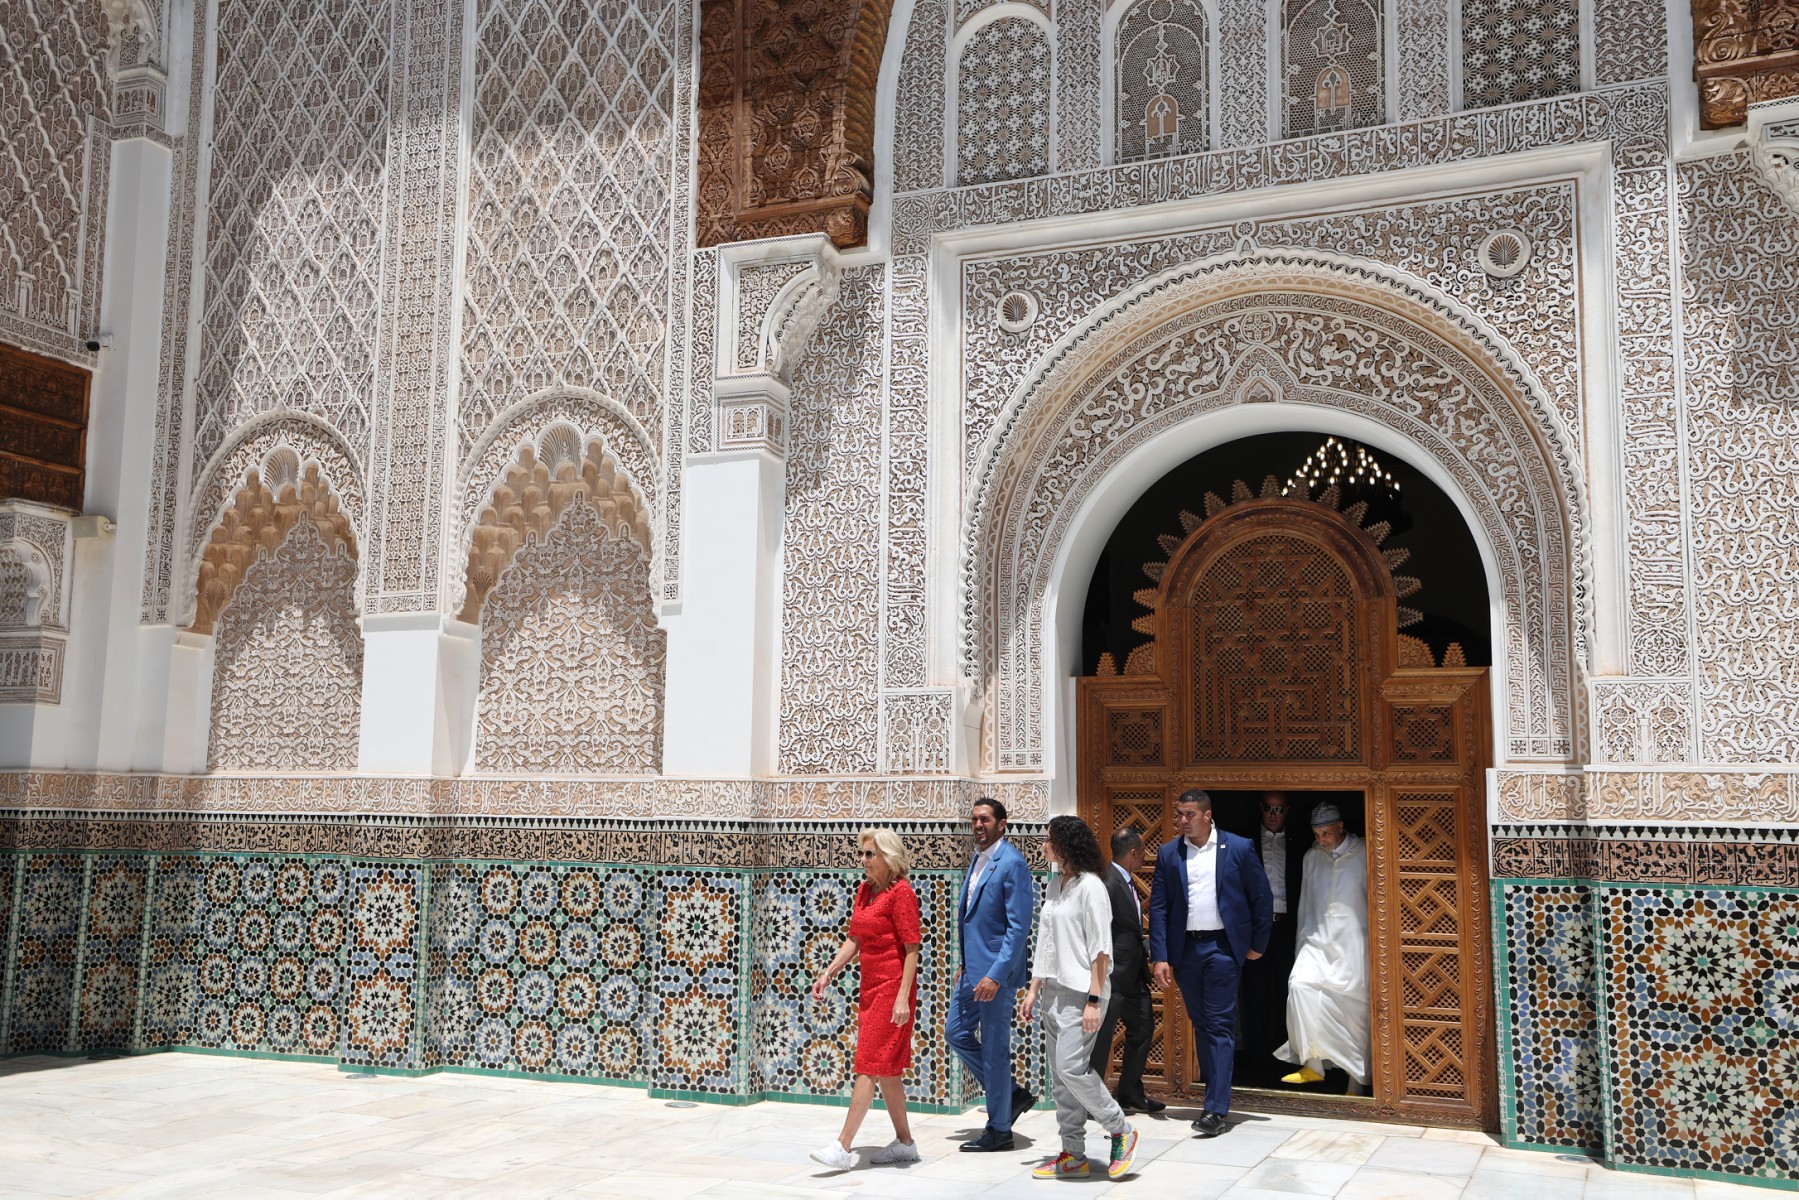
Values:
[(1254, 342)]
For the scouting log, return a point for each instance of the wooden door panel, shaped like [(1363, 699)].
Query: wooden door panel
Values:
[(1274, 663)]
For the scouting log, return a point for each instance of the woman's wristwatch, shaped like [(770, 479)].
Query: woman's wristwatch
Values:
[(1092, 999)]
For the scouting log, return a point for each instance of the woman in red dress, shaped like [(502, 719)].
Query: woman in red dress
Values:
[(884, 932)]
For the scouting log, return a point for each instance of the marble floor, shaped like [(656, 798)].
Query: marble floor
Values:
[(197, 1125)]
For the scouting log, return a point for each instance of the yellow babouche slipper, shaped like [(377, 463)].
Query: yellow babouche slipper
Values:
[(1303, 1075)]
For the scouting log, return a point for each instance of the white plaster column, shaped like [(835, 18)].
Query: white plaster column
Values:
[(419, 676), (721, 699), (186, 709), (721, 696), (123, 702)]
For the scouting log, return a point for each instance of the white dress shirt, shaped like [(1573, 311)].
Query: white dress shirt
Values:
[(1202, 884), (1131, 884), (1274, 861), (978, 868)]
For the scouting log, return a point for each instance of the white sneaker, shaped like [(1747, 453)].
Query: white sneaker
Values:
[(835, 1157), (894, 1153)]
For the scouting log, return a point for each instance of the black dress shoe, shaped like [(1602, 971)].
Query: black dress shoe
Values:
[(1021, 1102), (1143, 1105), (1210, 1125), (990, 1140)]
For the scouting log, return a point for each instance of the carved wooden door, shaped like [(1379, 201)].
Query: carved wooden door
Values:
[(1273, 662)]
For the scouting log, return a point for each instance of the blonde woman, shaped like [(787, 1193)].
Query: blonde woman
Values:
[(884, 932)]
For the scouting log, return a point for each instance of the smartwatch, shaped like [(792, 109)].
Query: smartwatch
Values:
[(1092, 999)]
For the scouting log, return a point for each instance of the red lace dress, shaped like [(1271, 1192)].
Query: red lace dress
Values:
[(884, 927)]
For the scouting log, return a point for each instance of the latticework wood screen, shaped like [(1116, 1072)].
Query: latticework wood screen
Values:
[(1276, 662), (1276, 644)]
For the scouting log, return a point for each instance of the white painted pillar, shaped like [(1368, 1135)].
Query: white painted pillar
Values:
[(420, 672), (119, 732), (722, 703), (186, 715)]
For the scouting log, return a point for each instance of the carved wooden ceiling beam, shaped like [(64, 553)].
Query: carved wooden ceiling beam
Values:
[(787, 117), (1744, 52)]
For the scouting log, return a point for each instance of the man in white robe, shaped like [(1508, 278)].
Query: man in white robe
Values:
[(1327, 994)]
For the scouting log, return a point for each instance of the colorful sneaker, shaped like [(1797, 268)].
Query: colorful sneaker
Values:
[(1124, 1150), (895, 1153), (1062, 1166), (835, 1157)]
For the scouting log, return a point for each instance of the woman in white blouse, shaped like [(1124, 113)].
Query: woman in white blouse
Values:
[(1070, 986)]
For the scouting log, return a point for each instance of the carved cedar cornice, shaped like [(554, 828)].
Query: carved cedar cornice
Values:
[(787, 103), (1744, 52)]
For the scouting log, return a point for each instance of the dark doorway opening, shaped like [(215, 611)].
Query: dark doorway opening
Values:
[(1279, 821), (1422, 518)]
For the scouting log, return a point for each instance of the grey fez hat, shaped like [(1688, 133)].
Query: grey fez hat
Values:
[(1325, 814)]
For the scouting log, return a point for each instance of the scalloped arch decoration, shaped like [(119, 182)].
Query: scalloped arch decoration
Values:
[(544, 478), (589, 415), (313, 444), (274, 497), (1347, 336)]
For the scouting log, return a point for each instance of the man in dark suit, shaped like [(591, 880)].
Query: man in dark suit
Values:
[(1130, 979), (1282, 855), (1209, 910)]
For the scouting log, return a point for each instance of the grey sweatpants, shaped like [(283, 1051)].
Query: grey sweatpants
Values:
[(1078, 1088)]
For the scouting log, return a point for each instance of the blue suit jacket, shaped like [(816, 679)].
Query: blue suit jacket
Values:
[(995, 922), (1244, 900)]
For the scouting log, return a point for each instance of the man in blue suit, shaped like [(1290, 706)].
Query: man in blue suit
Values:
[(994, 930), (1209, 909)]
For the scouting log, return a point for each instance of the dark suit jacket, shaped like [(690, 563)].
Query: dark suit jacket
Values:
[(1130, 966), (1293, 868), (1243, 899)]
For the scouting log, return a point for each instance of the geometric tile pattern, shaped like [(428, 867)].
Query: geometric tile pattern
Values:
[(538, 969), (380, 969), (1551, 1056), (260, 961), (1702, 1022), (697, 950), (41, 964), (804, 1048), (171, 986), (693, 981), (111, 951)]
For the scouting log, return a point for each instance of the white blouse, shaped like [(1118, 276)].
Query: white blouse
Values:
[(1074, 928)]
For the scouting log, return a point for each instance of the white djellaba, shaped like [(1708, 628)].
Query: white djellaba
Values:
[(1327, 994)]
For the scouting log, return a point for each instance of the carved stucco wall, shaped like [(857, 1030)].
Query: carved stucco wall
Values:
[(287, 665), (1280, 325), (55, 92), (1003, 86), (297, 186), (571, 657), (831, 610), (572, 214), (1740, 333)]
